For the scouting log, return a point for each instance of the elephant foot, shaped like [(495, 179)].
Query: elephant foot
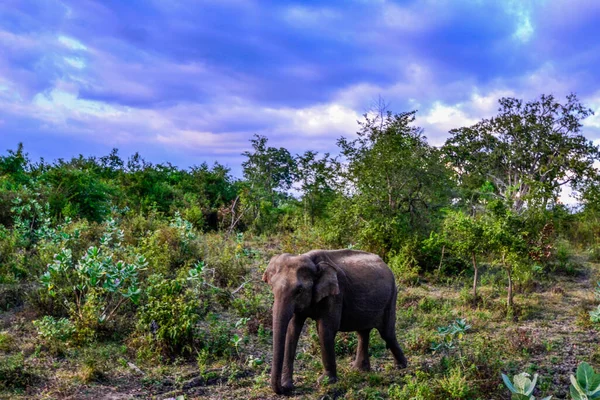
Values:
[(327, 379), (287, 386), (361, 365), (402, 364)]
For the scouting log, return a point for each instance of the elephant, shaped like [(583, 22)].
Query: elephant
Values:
[(343, 291)]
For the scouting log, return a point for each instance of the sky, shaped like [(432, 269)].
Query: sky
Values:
[(189, 81)]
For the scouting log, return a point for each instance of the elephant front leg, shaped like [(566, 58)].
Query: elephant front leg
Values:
[(291, 344), (327, 341)]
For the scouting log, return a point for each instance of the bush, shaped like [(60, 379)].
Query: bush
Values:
[(54, 332), (226, 258), (14, 373), (93, 290), (455, 384), (404, 263), (167, 319)]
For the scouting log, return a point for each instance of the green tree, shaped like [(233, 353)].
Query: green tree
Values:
[(506, 237), (269, 169), (394, 181), (14, 166), (315, 177), (528, 151), (465, 235), (269, 174)]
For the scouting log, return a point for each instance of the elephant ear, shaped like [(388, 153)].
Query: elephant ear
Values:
[(271, 268), (327, 281)]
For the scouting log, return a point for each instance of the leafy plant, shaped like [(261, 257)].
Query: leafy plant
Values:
[(52, 329), (450, 337), (586, 384), (522, 386), (96, 286)]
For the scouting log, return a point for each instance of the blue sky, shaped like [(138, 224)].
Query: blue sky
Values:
[(191, 81)]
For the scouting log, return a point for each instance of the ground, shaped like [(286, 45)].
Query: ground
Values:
[(548, 333)]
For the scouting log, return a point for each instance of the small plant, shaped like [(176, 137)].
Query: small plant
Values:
[(455, 384), (595, 314), (522, 386), (450, 337), (586, 384), (54, 330), (255, 362)]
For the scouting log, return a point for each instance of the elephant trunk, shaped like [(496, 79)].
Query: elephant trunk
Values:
[(282, 313)]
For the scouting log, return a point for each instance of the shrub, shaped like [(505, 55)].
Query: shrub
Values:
[(226, 258), (455, 384), (93, 290), (14, 373), (404, 263), (54, 332), (166, 320)]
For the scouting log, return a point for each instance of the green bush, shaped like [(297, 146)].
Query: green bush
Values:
[(226, 258), (404, 263), (168, 316), (455, 384), (14, 373), (54, 331), (93, 290)]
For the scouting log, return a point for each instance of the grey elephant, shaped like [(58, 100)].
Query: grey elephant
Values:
[(342, 290)]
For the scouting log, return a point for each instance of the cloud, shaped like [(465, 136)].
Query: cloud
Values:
[(197, 80)]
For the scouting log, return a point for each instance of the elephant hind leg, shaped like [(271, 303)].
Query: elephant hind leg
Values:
[(362, 353), (388, 334)]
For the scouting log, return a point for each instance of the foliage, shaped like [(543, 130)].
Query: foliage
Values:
[(52, 329), (170, 312), (450, 337), (522, 386), (14, 372), (395, 180), (93, 289), (404, 263), (585, 384), (465, 235), (528, 151)]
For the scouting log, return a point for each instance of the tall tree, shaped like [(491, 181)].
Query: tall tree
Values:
[(394, 180), (528, 151), (315, 176), (268, 169)]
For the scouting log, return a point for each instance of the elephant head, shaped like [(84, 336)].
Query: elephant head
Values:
[(298, 283)]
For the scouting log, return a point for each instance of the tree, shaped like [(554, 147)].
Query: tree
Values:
[(528, 151), (268, 169), (394, 180), (15, 165), (315, 177), (465, 235), (269, 173), (506, 238)]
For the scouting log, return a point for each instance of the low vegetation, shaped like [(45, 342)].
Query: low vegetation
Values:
[(123, 279)]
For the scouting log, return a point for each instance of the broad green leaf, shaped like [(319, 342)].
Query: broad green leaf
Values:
[(586, 377), (509, 384), (522, 382), (575, 386)]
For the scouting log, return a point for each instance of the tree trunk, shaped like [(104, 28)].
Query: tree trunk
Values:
[(441, 259), (509, 297), (476, 275)]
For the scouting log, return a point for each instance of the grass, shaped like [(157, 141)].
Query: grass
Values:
[(548, 333)]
